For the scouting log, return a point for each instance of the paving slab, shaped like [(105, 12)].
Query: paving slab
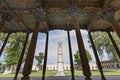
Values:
[(60, 73)]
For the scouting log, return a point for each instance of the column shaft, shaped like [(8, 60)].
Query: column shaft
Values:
[(116, 27), (21, 57), (114, 44), (29, 60), (71, 58), (97, 58), (83, 56), (45, 57), (4, 44)]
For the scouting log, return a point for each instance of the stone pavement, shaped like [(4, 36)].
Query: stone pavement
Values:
[(60, 73), (68, 78)]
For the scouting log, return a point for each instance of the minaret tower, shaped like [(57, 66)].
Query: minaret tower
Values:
[(60, 70), (60, 57)]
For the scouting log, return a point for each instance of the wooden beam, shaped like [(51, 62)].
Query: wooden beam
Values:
[(41, 6), (71, 58), (21, 57), (45, 57), (4, 44), (97, 58), (83, 56), (114, 44), (106, 5), (22, 22), (24, 25), (31, 52), (46, 26), (116, 28)]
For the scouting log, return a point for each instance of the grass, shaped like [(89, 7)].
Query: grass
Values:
[(33, 74), (96, 73), (67, 73)]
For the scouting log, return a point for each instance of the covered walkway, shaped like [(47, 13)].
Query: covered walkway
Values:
[(34, 16)]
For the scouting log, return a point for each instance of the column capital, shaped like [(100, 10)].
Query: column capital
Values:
[(73, 11), (39, 14)]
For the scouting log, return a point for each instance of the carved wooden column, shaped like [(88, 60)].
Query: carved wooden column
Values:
[(45, 57), (71, 58), (97, 58), (114, 44), (116, 27), (2, 23), (21, 57), (83, 56), (73, 12), (4, 44), (31, 52)]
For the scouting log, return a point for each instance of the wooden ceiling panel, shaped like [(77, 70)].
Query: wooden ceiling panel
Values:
[(57, 16)]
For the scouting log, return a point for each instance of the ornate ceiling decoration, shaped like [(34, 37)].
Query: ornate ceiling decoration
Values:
[(90, 14)]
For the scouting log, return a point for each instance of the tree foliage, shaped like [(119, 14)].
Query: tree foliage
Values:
[(39, 59), (2, 38), (103, 43), (77, 57), (14, 48)]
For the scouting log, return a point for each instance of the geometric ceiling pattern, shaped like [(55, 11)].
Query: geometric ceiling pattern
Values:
[(93, 15)]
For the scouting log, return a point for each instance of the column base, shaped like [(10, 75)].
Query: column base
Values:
[(87, 78), (25, 78), (15, 78), (103, 78)]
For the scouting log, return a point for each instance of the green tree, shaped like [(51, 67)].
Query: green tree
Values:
[(0, 63), (77, 57), (14, 48), (103, 43), (39, 59), (2, 38)]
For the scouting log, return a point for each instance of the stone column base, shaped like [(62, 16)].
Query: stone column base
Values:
[(25, 78)]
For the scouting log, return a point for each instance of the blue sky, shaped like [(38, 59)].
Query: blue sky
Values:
[(54, 38)]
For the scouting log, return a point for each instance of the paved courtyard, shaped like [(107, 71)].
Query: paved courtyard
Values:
[(68, 78)]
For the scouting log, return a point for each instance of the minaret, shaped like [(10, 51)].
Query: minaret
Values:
[(60, 70)]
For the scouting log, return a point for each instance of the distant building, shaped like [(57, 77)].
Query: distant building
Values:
[(93, 66), (110, 64), (35, 67)]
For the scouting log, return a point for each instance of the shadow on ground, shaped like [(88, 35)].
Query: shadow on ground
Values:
[(69, 78)]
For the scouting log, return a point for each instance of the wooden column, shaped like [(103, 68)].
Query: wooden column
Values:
[(114, 44), (4, 44), (45, 57), (2, 23), (71, 58), (116, 28), (31, 52), (97, 58), (21, 57), (83, 56)]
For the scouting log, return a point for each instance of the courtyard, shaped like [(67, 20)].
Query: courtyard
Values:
[(88, 32)]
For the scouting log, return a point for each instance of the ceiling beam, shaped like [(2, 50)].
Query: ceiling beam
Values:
[(106, 5), (41, 6), (24, 25), (22, 22)]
